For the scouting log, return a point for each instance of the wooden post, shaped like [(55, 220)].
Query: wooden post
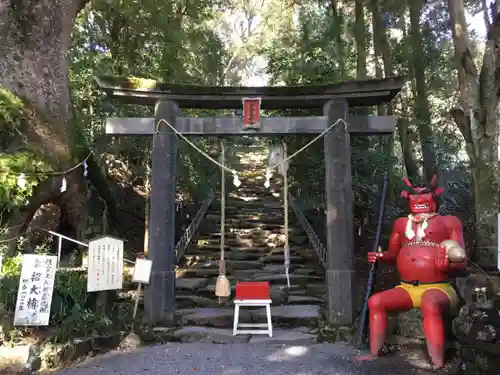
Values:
[(160, 293), (339, 217)]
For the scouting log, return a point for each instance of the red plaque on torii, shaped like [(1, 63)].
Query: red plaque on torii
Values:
[(251, 113)]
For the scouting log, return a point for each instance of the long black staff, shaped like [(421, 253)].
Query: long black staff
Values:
[(361, 334)]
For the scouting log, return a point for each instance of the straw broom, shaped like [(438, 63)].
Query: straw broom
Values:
[(222, 286)]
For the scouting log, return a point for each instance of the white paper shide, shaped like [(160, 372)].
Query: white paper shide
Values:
[(36, 285), (105, 264)]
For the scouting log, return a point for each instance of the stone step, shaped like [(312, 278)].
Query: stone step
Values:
[(240, 255), (253, 217), (269, 250), (215, 248), (211, 227), (189, 301), (212, 335), (206, 298), (233, 204), (185, 273), (191, 284), (254, 273), (292, 315), (229, 255), (279, 293), (280, 279), (210, 317), (242, 242), (231, 264), (295, 235), (297, 336), (276, 258), (316, 288), (287, 315), (306, 300), (244, 218)]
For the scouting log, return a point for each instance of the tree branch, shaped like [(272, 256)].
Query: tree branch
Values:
[(463, 123), (486, 14)]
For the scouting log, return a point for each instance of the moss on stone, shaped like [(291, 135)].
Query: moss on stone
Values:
[(142, 83)]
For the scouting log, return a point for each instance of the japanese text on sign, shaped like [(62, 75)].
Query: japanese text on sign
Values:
[(36, 285), (105, 264)]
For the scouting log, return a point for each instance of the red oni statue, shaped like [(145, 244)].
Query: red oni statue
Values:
[(423, 264)]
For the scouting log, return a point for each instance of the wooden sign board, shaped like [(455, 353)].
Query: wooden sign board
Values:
[(142, 271), (105, 264), (34, 296)]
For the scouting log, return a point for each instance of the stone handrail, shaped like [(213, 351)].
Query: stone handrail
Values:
[(186, 238), (311, 234)]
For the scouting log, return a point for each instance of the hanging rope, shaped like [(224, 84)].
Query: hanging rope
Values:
[(222, 287), (285, 214), (236, 181)]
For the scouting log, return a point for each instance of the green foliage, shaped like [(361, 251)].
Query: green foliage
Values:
[(18, 170), (9, 280), (11, 111), (176, 45), (73, 310), (18, 177)]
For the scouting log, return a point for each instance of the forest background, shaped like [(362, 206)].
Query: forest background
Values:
[(51, 112)]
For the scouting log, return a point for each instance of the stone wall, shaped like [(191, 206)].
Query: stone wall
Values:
[(477, 330)]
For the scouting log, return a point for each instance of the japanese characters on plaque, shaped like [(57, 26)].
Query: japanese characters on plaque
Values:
[(36, 285), (105, 264)]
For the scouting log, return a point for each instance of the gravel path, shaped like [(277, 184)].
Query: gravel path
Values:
[(240, 359)]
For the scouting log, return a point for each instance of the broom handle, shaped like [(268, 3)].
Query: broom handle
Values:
[(222, 268)]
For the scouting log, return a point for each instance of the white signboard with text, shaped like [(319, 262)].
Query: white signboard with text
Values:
[(105, 264), (142, 271), (36, 285)]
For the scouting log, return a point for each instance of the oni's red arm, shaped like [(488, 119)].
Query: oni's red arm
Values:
[(455, 232), (395, 240)]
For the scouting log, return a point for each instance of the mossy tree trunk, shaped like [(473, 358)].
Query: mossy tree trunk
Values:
[(35, 38), (422, 111), (476, 118)]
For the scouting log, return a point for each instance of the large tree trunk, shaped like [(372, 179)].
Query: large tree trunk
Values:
[(422, 112), (338, 16), (383, 53), (35, 38), (476, 119)]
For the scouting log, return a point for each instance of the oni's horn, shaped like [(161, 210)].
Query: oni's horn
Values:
[(407, 182), (434, 180)]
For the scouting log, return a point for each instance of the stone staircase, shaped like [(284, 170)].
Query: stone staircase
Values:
[(253, 252)]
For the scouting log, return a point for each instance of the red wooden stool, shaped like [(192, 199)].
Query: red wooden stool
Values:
[(252, 294)]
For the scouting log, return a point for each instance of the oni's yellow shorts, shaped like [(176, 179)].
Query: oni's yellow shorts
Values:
[(416, 292)]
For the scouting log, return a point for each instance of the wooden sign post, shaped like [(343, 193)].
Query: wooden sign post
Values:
[(104, 269), (36, 284), (141, 275)]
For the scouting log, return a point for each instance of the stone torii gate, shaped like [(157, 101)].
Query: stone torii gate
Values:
[(335, 100)]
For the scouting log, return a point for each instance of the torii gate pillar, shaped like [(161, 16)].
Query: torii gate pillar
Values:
[(159, 298), (160, 294), (340, 274)]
